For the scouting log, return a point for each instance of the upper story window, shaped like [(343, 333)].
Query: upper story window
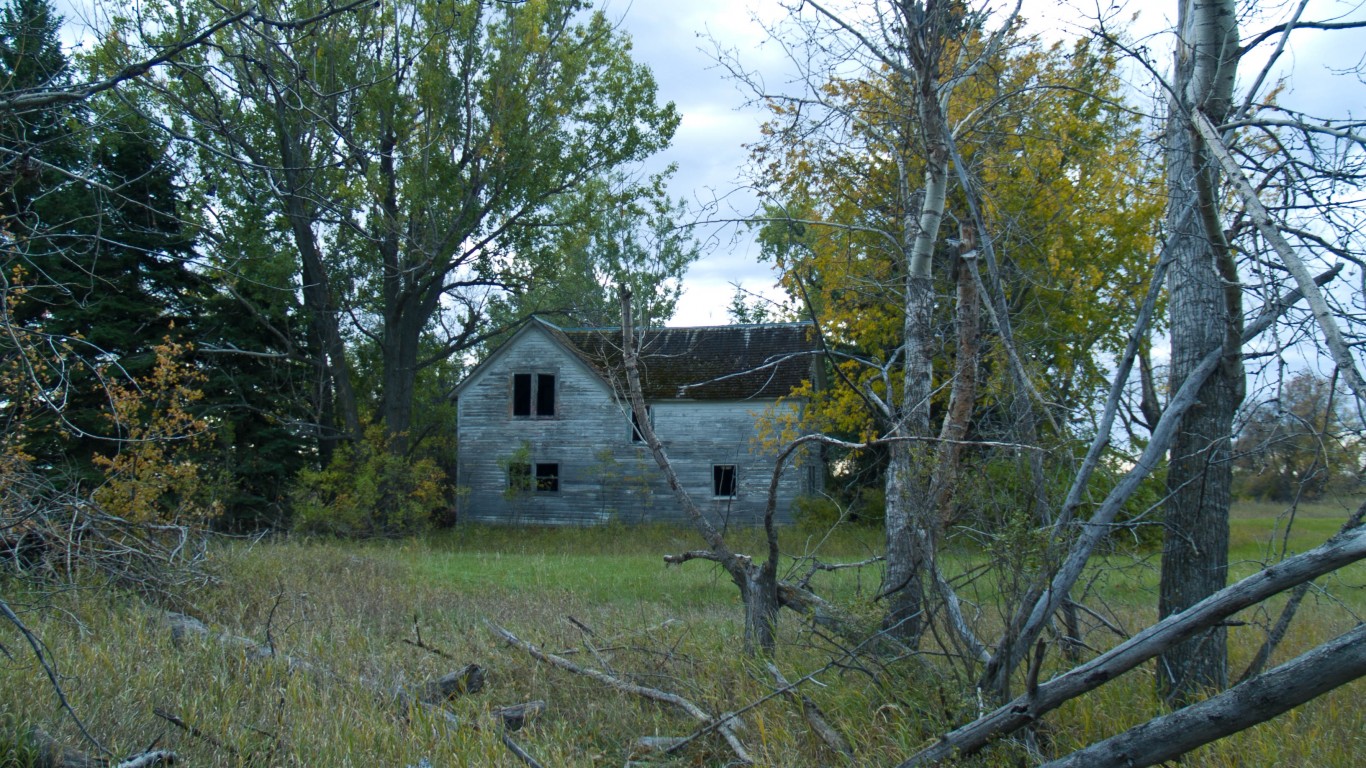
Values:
[(533, 394), (636, 435)]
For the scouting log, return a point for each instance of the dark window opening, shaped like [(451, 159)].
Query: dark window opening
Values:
[(521, 394), (723, 480), (548, 478), (636, 436), (519, 477), (536, 391), (545, 394)]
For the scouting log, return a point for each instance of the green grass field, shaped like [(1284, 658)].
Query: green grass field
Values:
[(349, 607)]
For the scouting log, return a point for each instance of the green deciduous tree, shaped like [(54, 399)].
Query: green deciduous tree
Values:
[(1020, 145), (1297, 444), (408, 149)]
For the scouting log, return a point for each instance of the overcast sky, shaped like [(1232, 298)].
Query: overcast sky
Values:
[(671, 36)]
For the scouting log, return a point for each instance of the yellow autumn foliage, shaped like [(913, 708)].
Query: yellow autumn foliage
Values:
[(153, 477)]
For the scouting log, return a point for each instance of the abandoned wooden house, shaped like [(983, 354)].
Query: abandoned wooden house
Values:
[(546, 437)]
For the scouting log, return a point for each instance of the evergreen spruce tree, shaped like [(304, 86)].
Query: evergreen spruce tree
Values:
[(89, 204)]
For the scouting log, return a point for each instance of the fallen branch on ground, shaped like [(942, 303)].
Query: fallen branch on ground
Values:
[(724, 725), (814, 716), (521, 754), (51, 754), (430, 696), (198, 733), (1343, 549)]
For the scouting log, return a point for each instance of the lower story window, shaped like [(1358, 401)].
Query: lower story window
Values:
[(723, 480), (519, 477), (548, 478)]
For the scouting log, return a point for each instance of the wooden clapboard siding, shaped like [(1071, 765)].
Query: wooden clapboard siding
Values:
[(603, 475)]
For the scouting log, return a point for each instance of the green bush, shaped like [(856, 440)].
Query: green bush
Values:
[(814, 514), (367, 490)]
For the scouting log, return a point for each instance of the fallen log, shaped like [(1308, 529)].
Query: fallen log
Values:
[(814, 716), (50, 753), (515, 717)]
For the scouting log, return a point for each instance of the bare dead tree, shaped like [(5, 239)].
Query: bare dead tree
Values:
[(1308, 676), (1346, 548)]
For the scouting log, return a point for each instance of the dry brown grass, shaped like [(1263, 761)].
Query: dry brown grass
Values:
[(348, 607)]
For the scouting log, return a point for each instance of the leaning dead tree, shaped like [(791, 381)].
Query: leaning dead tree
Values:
[(1346, 548), (1313, 674), (762, 593), (1260, 200)]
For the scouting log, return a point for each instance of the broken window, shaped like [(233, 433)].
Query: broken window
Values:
[(723, 480), (519, 477), (545, 394), (548, 478), (533, 394)]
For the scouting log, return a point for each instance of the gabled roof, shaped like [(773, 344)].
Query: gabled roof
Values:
[(725, 362)]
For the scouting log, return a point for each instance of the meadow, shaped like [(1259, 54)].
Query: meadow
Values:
[(400, 612)]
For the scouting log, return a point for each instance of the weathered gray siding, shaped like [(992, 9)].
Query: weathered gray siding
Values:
[(603, 475)]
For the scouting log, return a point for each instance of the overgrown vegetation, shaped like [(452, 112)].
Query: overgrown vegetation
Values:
[(247, 250), (603, 598), (367, 490)]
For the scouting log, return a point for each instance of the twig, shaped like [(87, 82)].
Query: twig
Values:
[(1104, 622), (37, 646), (722, 725), (678, 744), (193, 731), (588, 643), (519, 752), (429, 648), (814, 716), (420, 643)]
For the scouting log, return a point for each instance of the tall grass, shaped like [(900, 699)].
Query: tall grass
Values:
[(348, 607)]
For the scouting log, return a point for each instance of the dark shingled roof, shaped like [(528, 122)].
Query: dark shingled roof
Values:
[(725, 362)]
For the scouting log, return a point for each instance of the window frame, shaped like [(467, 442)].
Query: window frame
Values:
[(546, 473), (719, 475), (529, 398)]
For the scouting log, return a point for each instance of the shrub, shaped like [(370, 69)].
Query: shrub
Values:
[(367, 490)]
